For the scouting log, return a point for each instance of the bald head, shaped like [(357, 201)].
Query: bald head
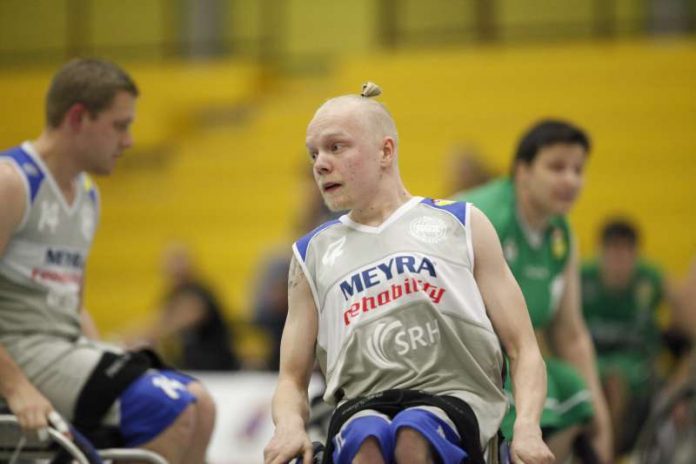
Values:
[(352, 142), (372, 115)]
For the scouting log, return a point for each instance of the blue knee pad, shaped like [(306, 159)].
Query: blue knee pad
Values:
[(438, 433), (151, 404), (348, 441)]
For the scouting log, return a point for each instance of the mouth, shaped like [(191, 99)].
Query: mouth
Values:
[(568, 198), (329, 187)]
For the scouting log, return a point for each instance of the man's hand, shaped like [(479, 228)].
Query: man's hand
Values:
[(288, 442), (528, 447), (30, 406)]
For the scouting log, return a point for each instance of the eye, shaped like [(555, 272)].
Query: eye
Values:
[(557, 167), (336, 147), (121, 126), (312, 154)]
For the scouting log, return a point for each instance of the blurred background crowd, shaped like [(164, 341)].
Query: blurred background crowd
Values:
[(194, 242)]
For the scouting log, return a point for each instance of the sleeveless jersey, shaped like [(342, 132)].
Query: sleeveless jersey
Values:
[(537, 267), (41, 269), (398, 307), (624, 319)]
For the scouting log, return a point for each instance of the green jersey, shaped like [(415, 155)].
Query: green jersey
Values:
[(537, 260), (623, 320)]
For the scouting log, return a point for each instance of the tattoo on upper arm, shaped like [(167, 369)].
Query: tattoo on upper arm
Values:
[(295, 274)]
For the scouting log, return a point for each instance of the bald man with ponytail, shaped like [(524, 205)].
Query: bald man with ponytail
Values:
[(404, 302)]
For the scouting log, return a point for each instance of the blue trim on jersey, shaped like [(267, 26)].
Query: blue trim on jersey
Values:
[(457, 208), (92, 193), (29, 167), (303, 243)]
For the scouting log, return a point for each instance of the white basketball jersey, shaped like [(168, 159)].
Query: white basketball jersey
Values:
[(41, 269), (398, 307)]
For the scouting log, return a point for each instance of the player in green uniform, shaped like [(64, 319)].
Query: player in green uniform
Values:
[(528, 212), (620, 298)]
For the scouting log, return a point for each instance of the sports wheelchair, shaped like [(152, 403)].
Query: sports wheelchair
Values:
[(18, 447)]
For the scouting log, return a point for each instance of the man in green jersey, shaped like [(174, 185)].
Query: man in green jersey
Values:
[(528, 212), (620, 298)]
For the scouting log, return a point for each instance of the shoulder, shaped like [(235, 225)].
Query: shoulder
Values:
[(12, 185), (492, 191), (650, 271), (15, 164), (589, 266), (458, 209), (589, 269), (302, 245), (20, 165), (482, 227), (649, 282), (10, 177), (13, 200), (495, 200)]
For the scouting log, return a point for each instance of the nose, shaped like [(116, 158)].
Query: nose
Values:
[(127, 140), (573, 178), (322, 164)]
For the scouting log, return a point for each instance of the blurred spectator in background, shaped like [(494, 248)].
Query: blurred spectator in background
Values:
[(271, 301), (528, 212), (271, 284), (465, 169), (669, 435), (621, 294), (191, 319)]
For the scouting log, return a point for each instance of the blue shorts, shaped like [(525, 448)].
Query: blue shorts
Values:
[(151, 404), (430, 422)]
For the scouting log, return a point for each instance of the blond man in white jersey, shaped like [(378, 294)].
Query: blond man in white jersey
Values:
[(50, 359), (405, 328)]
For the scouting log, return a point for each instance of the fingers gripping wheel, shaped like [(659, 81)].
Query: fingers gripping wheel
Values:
[(317, 454)]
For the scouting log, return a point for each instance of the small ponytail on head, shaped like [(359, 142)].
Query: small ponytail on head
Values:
[(370, 89)]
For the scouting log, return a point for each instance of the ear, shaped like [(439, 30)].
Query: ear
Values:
[(521, 169), (75, 115), (388, 152)]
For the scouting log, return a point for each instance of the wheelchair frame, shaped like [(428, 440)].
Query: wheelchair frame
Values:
[(15, 445)]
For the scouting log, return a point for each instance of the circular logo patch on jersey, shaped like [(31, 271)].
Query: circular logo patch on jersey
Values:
[(558, 243), (428, 229)]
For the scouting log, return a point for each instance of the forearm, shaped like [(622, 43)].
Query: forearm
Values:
[(290, 405), (529, 386), (24, 400), (89, 328), (11, 376)]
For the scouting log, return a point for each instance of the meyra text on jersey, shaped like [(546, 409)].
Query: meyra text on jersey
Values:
[(381, 276)]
